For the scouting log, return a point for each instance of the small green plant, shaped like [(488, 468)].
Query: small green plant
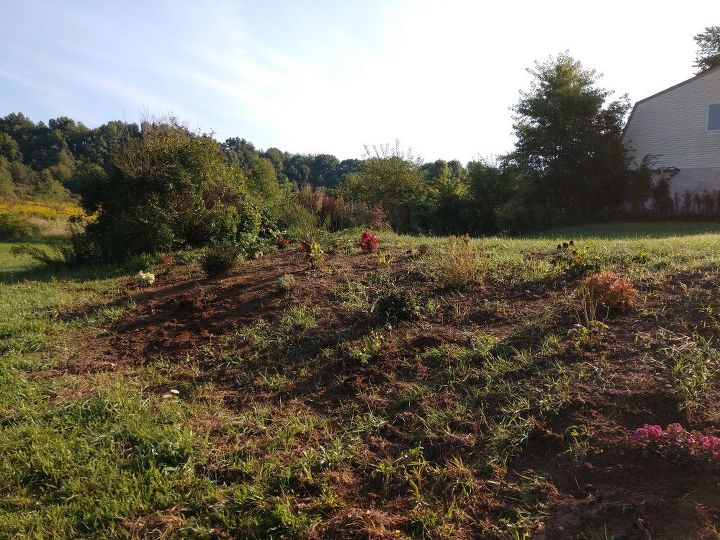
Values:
[(285, 283), (368, 348), (220, 258), (459, 264), (397, 305), (578, 439), (575, 263), (587, 333), (383, 259), (316, 255), (314, 252)]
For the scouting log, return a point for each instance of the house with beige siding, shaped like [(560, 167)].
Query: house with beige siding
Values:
[(680, 129)]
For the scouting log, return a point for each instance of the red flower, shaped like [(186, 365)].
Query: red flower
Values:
[(368, 242)]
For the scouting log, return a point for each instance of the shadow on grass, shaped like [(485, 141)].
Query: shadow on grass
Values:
[(18, 268), (62, 273)]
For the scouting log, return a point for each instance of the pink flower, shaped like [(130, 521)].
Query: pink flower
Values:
[(675, 439)]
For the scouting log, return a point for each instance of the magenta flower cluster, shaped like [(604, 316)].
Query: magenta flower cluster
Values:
[(675, 439)]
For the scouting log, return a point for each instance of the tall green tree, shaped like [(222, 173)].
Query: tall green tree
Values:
[(569, 149), (391, 179), (708, 48)]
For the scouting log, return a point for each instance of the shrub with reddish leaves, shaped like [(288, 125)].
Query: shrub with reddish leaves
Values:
[(611, 290), (676, 440), (368, 242)]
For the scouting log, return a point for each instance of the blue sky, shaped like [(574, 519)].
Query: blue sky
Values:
[(330, 77)]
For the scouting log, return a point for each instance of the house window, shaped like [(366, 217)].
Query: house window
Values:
[(714, 117)]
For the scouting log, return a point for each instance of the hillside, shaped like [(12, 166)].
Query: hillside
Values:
[(366, 399)]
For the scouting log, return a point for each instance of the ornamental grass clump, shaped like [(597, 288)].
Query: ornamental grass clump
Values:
[(676, 441), (610, 290), (459, 264)]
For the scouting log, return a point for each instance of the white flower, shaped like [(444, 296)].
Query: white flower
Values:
[(147, 278)]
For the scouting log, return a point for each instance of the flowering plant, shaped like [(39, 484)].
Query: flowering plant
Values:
[(677, 440), (611, 290), (368, 242), (146, 278)]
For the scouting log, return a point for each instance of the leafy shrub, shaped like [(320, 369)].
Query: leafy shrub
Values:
[(397, 305), (285, 283), (167, 189), (15, 227), (575, 263), (332, 212), (249, 219), (368, 242), (220, 258), (146, 278), (459, 264), (610, 290), (250, 246)]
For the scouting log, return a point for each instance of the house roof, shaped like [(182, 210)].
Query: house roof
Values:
[(678, 85)]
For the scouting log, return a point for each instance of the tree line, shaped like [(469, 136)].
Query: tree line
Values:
[(156, 185)]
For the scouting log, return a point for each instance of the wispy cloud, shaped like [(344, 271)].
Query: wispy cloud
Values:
[(314, 76)]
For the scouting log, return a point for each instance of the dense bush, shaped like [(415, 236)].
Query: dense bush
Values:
[(14, 227), (220, 258), (170, 188)]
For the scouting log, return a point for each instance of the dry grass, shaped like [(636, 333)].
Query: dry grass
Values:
[(458, 264)]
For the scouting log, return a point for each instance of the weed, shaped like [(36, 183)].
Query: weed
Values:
[(694, 362), (316, 255), (367, 349), (285, 283), (573, 262), (383, 259), (578, 440), (397, 305)]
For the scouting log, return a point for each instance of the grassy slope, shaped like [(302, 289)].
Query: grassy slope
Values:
[(426, 438)]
